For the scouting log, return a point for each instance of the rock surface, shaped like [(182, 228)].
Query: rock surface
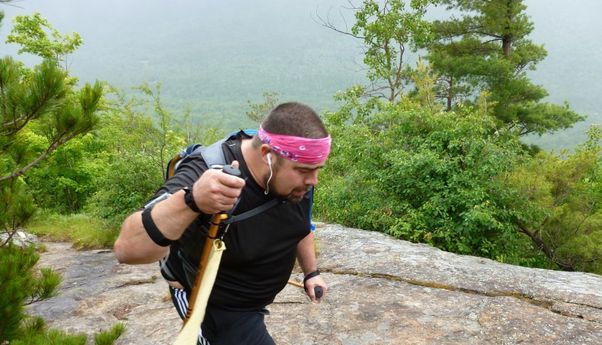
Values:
[(19, 238), (382, 291)]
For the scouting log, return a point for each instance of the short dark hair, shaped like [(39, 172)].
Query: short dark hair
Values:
[(297, 119)]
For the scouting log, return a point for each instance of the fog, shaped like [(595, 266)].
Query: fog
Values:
[(214, 56)]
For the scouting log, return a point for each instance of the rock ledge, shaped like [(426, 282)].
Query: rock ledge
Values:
[(382, 291)]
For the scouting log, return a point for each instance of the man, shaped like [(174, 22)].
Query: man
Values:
[(282, 162)]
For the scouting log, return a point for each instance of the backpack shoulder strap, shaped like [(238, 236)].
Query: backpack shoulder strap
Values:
[(253, 212), (173, 163), (214, 154), (312, 226)]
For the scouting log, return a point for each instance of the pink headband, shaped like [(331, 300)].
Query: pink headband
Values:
[(298, 149)]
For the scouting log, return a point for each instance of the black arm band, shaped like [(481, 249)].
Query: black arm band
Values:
[(311, 275), (189, 200), (151, 229)]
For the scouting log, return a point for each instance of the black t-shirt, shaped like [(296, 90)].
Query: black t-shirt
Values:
[(260, 251)]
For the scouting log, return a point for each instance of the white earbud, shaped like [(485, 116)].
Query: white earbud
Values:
[(267, 183)]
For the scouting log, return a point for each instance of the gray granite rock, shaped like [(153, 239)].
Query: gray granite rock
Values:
[(382, 291), (19, 238)]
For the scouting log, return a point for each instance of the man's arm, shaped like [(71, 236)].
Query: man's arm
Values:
[(213, 192), (306, 256)]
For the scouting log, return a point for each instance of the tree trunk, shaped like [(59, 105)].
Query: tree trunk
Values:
[(549, 252), (507, 46), (450, 93), (507, 35)]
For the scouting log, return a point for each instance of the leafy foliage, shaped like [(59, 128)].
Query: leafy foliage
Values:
[(72, 172), (16, 204), (460, 179), (132, 156), (387, 31), (17, 277), (123, 183), (112, 171), (424, 176), (40, 111), (558, 204), (35, 35)]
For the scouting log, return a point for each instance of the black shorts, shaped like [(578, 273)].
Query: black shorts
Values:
[(224, 327)]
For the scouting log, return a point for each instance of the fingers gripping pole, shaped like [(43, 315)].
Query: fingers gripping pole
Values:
[(189, 333)]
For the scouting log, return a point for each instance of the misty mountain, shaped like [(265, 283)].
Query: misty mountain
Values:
[(214, 56)]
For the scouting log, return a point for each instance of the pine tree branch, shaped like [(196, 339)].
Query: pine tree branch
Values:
[(11, 233), (488, 34), (63, 138), (10, 3), (15, 125), (19, 123)]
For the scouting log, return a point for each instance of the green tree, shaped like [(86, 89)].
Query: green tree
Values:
[(40, 112), (166, 137), (258, 111), (131, 153), (557, 202), (36, 36), (487, 48), (388, 29), (72, 171), (19, 285)]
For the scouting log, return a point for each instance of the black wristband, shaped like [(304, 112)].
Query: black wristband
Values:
[(152, 230), (311, 275), (189, 200)]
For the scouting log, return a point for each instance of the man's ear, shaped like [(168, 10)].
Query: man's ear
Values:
[(265, 151)]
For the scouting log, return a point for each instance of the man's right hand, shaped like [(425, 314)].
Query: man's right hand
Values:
[(216, 191)]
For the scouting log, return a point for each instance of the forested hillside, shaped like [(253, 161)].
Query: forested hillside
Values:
[(214, 56)]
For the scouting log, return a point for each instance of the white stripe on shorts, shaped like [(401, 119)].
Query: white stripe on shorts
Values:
[(181, 306)]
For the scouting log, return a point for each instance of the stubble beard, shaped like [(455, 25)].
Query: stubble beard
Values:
[(293, 197)]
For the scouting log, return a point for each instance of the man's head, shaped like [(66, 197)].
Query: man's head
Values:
[(294, 119), (295, 144)]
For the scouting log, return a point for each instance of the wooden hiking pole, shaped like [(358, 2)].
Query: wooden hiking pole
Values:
[(205, 278)]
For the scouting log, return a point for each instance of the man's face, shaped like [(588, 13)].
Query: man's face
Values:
[(292, 180)]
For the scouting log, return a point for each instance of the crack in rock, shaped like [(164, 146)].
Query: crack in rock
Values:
[(547, 304), (150, 280), (287, 302)]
